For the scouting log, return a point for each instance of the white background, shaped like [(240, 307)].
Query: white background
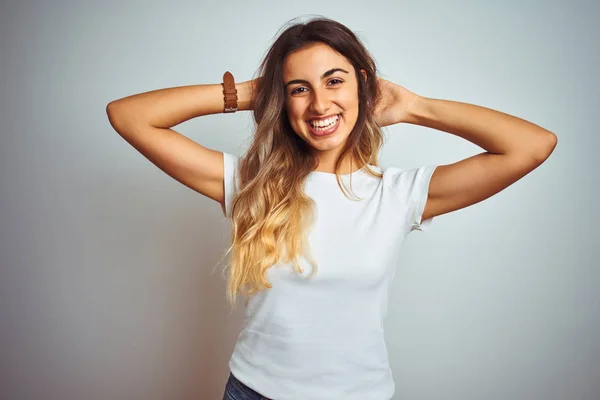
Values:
[(107, 289)]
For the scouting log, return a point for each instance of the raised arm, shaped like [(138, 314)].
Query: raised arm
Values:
[(145, 121), (514, 147)]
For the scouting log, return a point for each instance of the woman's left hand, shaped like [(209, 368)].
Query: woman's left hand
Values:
[(395, 103)]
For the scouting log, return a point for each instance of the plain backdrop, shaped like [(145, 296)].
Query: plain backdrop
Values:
[(108, 289)]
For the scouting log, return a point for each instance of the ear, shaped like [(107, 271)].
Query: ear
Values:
[(364, 73)]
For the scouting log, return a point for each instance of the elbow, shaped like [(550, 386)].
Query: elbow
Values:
[(111, 108), (553, 141), (550, 144), (545, 148), (115, 115)]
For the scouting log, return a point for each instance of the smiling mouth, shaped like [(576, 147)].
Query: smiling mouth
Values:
[(324, 124), (324, 127)]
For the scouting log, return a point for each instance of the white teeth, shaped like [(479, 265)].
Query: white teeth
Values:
[(324, 123)]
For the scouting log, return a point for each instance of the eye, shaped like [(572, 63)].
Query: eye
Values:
[(297, 90), (335, 81)]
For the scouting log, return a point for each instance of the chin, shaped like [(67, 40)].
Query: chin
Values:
[(330, 143)]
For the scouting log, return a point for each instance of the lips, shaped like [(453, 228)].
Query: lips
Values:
[(328, 131), (329, 117)]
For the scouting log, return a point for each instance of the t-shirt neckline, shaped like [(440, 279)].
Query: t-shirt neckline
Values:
[(329, 175)]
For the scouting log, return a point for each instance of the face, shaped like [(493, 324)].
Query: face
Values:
[(321, 98)]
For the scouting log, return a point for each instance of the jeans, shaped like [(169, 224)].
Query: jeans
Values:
[(236, 390)]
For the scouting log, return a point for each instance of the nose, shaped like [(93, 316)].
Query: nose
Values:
[(320, 102)]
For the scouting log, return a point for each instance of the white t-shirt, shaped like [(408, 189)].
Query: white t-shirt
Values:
[(322, 338)]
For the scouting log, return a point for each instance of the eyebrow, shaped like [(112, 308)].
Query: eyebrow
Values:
[(325, 75)]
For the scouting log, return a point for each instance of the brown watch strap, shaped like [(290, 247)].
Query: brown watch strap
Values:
[(229, 93)]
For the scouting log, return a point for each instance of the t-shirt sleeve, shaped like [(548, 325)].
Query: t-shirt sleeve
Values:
[(412, 188), (230, 181)]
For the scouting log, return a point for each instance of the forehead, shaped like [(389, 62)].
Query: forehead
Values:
[(312, 61)]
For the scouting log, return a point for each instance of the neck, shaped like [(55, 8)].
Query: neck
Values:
[(346, 168)]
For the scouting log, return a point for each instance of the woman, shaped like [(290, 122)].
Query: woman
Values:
[(313, 258)]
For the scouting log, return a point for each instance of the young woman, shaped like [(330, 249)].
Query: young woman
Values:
[(314, 258)]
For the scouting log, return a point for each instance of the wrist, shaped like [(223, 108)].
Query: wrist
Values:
[(417, 110), (245, 95)]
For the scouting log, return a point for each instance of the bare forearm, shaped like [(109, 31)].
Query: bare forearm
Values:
[(165, 108), (492, 130)]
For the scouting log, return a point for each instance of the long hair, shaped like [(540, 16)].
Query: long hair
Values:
[(271, 214)]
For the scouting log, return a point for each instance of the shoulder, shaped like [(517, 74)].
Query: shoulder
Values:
[(408, 182)]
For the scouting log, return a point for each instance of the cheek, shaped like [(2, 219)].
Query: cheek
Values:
[(295, 112), (350, 99)]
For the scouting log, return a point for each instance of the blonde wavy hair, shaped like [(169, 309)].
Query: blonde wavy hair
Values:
[(271, 214)]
